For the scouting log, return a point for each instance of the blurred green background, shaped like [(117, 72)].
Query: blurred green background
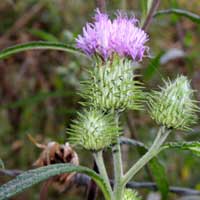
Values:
[(38, 89)]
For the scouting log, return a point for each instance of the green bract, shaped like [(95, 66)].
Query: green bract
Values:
[(111, 86), (174, 106), (131, 195), (94, 130)]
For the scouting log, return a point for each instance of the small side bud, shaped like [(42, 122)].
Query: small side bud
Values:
[(94, 130), (112, 86), (131, 195), (174, 106)]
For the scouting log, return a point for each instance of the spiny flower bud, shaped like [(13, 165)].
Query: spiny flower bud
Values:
[(93, 130), (131, 195), (173, 106), (111, 86)]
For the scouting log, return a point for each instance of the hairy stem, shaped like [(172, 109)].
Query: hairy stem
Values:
[(153, 151), (98, 156), (118, 168), (118, 171)]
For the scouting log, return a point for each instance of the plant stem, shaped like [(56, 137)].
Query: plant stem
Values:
[(118, 168), (118, 171), (152, 7), (98, 156), (153, 151)]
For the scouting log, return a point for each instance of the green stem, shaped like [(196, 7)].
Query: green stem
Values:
[(118, 167), (153, 151), (98, 156), (118, 171)]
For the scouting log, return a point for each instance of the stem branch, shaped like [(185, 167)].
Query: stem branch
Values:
[(98, 156), (153, 151)]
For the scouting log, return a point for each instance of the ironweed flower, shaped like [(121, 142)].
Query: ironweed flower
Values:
[(174, 106), (131, 195), (105, 37), (93, 130)]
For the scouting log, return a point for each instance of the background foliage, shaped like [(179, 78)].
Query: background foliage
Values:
[(38, 89)]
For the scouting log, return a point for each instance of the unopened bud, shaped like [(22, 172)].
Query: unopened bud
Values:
[(112, 86), (174, 106), (93, 130)]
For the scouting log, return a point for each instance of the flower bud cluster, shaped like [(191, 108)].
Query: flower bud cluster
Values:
[(111, 87)]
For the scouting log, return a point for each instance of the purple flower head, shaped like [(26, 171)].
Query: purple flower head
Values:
[(106, 37)]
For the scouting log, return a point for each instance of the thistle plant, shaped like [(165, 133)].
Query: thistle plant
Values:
[(114, 46), (112, 88)]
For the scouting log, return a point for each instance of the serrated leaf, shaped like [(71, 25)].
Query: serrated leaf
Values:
[(179, 12), (156, 167), (193, 146), (38, 45), (32, 177)]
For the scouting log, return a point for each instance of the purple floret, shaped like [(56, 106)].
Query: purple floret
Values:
[(106, 37)]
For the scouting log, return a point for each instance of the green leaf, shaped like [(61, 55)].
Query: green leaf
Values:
[(160, 177), (38, 45), (32, 177), (146, 6), (144, 10), (179, 12), (156, 167), (143, 5), (153, 67), (149, 5), (193, 146)]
